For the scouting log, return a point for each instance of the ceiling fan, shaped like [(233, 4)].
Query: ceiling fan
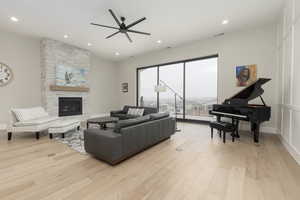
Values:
[(123, 28)]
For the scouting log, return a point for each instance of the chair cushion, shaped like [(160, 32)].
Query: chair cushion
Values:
[(156, 116), (64, 122), (35, 122), (130, 122), (224, 126), (25, 114)]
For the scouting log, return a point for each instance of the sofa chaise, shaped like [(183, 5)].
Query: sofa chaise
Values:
[(128, 137), (36, 120)]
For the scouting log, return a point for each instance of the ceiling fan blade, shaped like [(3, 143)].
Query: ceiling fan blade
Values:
[(105, 26), (112, 34), (136, 22), (128, 37), (114, 16), (139, 32)]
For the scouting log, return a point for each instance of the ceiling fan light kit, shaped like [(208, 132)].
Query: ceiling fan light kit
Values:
[(123, 28)]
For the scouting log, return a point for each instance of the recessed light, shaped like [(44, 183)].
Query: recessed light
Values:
[(117, 53), (159, 41), (14, 19), (224, 22), (66, 36), (89, 44)]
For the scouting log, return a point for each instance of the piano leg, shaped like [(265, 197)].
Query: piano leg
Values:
[(236, 122), (237, 129), (255, 129)]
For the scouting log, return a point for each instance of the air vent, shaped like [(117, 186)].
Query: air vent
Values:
[(219, 35)]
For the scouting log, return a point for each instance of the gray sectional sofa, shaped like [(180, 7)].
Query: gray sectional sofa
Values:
[(122, 114), (129, 137)]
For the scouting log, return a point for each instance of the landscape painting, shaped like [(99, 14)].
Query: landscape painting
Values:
[(71, 76), (246, 75)]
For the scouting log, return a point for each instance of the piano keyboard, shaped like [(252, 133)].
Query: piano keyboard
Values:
[(229, 114)]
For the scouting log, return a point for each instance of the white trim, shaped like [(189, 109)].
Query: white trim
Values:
[(295, 108), (269, 130), (263, 129), (291, 149), (3, 127)]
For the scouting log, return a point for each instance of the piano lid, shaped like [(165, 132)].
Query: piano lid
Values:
[(252, 91)]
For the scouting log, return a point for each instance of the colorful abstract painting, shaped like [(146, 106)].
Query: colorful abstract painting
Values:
[(71, 76), (246, 75)]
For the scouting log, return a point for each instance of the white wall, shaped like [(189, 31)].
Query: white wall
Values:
[(22, 54), (239, 48), (103, 86), (288, 51)]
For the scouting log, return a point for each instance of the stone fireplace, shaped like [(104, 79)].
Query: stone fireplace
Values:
[(54, 53)]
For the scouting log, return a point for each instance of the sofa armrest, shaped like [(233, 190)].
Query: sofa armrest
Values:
[(117, 112), (103, 144)]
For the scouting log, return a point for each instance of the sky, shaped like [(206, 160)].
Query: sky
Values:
[(201, 79)]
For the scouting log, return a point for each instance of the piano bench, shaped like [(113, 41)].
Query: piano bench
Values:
[(223, 127)]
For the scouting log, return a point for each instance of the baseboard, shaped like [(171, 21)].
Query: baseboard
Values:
[(263, 129), (271, 130), (293, 151)]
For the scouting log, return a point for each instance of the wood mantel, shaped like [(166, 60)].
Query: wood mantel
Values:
[(69, 88)]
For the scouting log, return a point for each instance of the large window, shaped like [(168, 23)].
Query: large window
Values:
[(147, 80), (190, 87), (172, 77), (200, 88)]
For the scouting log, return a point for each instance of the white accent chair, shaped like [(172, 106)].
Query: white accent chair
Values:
[(30, 120)]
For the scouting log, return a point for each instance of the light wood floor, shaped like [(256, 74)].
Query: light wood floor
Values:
[(189, 166)]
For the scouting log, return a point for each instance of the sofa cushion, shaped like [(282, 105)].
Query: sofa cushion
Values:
[(130, 122), (147, 110), (156, 116), (124, 116), (35, 122), (25, 114)]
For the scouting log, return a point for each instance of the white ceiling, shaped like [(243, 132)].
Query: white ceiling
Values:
[(174, 22)]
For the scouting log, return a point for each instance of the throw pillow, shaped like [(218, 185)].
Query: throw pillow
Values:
[(140, 112), (132, 111)]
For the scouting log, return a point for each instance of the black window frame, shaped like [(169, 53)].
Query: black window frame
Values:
[(184, 80)]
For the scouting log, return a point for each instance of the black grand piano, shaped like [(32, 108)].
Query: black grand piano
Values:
[(237, 107)]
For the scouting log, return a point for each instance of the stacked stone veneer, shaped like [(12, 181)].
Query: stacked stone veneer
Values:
[(55, 53)]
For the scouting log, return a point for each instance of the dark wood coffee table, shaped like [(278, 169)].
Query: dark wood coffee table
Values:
[(102, 121)]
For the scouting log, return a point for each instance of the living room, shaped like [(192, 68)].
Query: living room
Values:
[(124, 100)]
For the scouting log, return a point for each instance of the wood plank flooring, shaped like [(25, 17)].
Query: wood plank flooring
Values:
[(190, 166)]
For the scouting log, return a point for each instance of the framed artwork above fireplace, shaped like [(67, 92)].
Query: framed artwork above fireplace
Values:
[(71, 76)]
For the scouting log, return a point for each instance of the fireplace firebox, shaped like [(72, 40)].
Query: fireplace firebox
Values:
[(68, 106)]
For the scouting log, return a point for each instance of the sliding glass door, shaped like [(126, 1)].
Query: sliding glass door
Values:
[(147, 80), (171, 77), (200, 88), (187, 88)]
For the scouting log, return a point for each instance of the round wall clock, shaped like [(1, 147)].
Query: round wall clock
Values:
[(6, 74)]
